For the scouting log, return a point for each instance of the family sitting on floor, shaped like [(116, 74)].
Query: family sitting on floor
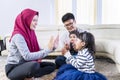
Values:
[(25, 55)]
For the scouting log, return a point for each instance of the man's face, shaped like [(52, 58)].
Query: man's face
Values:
[(70, 25)]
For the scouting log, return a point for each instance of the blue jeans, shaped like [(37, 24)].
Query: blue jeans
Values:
[(59, 61)]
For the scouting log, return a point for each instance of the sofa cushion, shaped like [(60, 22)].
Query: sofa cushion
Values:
[(108, 46), (117, 54)]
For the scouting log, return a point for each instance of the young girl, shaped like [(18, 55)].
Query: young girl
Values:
[(73, 35), (81, 66), (60, 60)]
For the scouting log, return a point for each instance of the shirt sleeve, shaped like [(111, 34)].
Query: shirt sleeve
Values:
[(24, 51), (77, 61)]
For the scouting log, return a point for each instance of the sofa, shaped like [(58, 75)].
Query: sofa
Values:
[(107, 39)]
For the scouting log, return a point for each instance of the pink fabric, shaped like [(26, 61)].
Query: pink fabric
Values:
[(22, 26)]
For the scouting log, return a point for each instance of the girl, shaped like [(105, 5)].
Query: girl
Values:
[(81, 66), (73, 35), (24, 59), (60, 60)]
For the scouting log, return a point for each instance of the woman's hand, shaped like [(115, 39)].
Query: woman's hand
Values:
[(56, 42), (53, 43)]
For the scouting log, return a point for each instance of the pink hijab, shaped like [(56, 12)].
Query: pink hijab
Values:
[(22, 26)]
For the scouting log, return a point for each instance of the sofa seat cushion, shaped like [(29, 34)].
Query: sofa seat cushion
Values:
[(108, 46), (117, 54)]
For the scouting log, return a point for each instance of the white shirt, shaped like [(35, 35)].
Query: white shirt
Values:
[(64, 38)]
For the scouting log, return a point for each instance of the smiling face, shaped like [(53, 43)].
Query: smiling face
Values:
[(34, 22), (70, 25)]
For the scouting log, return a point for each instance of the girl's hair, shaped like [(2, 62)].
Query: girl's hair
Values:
[(74, 32), (89, 40)]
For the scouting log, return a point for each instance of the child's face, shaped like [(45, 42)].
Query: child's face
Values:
[(73, 37), (78, 44)]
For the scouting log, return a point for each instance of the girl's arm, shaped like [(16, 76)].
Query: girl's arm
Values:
[(77, 61)]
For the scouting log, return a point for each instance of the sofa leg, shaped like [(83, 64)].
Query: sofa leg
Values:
[(118, 67)]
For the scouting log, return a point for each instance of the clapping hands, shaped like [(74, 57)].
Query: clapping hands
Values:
[(65, 49), (53, 43)]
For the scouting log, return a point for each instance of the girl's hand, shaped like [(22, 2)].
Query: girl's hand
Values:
[(65, 49)]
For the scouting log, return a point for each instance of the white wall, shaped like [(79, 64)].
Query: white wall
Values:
[(9, 9)]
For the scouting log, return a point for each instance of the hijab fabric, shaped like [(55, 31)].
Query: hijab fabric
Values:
[(22, 26)]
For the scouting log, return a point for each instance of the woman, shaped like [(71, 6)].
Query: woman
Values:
[(24, 60)]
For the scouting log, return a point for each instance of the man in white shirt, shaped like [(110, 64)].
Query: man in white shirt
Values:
[(70, 24)]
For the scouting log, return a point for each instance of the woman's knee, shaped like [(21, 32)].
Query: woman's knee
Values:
[(13, 77), (34, 66)]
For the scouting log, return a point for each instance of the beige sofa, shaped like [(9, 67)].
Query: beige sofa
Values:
[(107, 39)]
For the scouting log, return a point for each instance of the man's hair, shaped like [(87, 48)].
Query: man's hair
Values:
[(67, 16)]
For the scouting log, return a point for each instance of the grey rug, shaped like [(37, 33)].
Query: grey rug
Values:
[(103, 65), (107, 67)]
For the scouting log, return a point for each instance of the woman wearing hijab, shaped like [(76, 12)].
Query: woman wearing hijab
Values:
[(24, 59)]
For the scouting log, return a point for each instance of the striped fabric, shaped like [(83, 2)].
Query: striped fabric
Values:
[(83, 61)]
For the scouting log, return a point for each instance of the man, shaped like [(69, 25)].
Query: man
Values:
[(70, 24)]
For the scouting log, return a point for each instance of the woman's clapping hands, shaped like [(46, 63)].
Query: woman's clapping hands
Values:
[(53, 43)]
